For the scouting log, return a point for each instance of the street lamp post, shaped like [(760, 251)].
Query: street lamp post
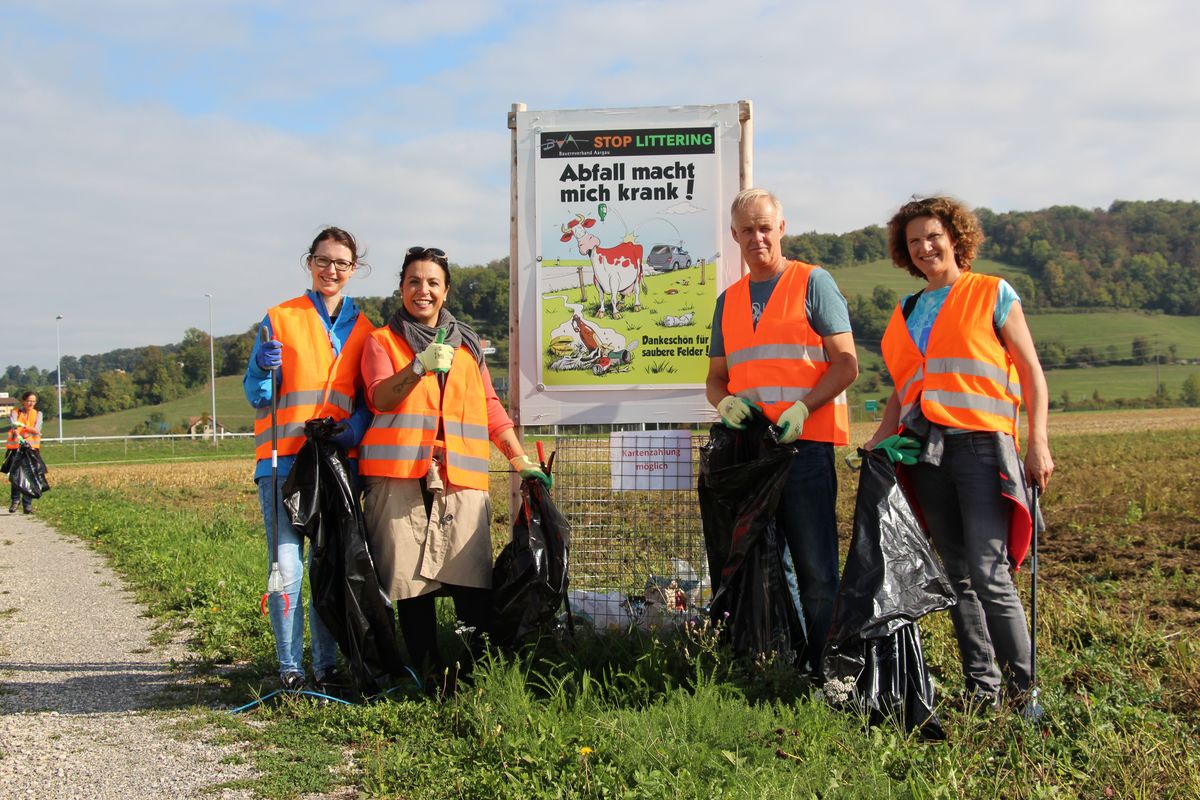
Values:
[(212, 369), (58, 372)]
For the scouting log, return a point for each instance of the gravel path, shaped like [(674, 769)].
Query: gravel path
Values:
[(78, 674)]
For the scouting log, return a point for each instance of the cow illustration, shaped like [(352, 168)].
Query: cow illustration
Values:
[(616, 270)]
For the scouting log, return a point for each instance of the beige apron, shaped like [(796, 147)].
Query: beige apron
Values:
[(416, 553)]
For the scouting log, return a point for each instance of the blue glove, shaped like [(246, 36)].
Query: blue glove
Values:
[(270, 355), (345, 436)]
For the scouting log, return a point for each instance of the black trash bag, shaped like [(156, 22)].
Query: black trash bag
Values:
[(529, 580), (26, 470), (755, 598), (873, 660), (323, 505)]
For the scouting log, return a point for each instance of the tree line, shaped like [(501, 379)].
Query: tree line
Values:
[(1135, 255), (133, 377), (1132, 255)]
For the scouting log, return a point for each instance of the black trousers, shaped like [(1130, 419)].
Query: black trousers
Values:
[(418, 624)]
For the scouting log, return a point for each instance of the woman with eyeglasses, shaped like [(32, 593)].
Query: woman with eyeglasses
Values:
[(424, 460), (314, 347)]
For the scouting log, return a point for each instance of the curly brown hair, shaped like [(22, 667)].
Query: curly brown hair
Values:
[(956, 217)]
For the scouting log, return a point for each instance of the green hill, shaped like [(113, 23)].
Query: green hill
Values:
[(233, 412), (861, 279)]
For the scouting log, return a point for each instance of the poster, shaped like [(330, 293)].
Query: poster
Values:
[(621, 259), (651, 461)]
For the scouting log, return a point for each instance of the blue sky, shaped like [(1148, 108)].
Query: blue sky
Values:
[(155, 151)]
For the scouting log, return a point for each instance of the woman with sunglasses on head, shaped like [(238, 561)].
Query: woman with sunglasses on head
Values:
[(424, 459), (314, 347)]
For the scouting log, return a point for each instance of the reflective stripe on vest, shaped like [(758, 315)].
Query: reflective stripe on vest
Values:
[(313, 382), (779, 362), (965, 379), (32, 437), (399, 443)]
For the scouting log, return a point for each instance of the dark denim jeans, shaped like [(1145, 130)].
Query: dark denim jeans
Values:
[(808, 523), (968, 520)]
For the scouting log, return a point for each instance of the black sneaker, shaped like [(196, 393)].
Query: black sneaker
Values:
[(12, 509), (292, 681), (330, 681), (27, 510)]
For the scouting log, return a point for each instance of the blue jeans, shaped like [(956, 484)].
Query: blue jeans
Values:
[(808, 522), (289, 628), (968, 520)]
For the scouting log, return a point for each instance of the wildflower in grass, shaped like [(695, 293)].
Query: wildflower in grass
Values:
[(585, 751), (838, 691)]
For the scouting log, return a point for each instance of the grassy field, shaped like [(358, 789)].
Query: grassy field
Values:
[(1118, 382), (676, 717), (232, 411), (861, 279)]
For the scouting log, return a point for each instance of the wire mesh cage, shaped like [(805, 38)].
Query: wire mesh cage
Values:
[(637, 547)]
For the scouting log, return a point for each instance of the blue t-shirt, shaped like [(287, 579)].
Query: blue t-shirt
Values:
[(824, 306), (929, 303)]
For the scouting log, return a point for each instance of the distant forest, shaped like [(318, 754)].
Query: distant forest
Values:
[(1134, 255)]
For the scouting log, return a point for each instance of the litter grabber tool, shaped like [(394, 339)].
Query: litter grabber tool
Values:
[(1033, 710), (541, 451), (275, 576)]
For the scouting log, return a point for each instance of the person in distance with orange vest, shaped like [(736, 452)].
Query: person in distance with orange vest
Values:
[(315, 346), (424, 460), (962, 360), (781, 341), (25, 427)]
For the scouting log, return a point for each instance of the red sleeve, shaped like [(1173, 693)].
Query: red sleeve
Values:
[(376, 367), (498, 419)]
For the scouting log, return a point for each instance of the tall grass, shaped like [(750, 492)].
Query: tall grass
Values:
[(676, 716)]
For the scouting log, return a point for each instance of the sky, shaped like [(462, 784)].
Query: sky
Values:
[(155, 151)]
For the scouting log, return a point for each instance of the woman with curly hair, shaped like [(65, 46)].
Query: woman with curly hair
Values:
[(962, 360)]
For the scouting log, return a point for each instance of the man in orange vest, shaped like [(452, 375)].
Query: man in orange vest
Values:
[(782, 343)]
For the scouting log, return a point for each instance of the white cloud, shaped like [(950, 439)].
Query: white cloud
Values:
[(129, 197)]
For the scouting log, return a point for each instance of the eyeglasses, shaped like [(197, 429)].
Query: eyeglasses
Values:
[(416, 253), (323, 262)]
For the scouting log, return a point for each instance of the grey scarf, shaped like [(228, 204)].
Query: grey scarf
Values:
[(419, 336)]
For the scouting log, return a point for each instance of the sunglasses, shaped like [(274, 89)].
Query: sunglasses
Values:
[(417, 253)]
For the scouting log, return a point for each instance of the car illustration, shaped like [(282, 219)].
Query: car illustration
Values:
[(664, 257)]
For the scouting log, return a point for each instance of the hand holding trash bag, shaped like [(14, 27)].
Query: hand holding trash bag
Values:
[(525, 466), (899, 449), (791, 422), (735, 411)]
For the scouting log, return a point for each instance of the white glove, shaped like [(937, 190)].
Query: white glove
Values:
[(792, 422), (734, 412), (437, 357)]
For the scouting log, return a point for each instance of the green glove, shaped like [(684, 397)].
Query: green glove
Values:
[(734, 412), (900, 449), (525, 466), (792, 422)]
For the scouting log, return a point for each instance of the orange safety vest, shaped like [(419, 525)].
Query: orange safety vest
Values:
[(32, 436), (781, 360), (966, 379), (399, 443), (313, 382)]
